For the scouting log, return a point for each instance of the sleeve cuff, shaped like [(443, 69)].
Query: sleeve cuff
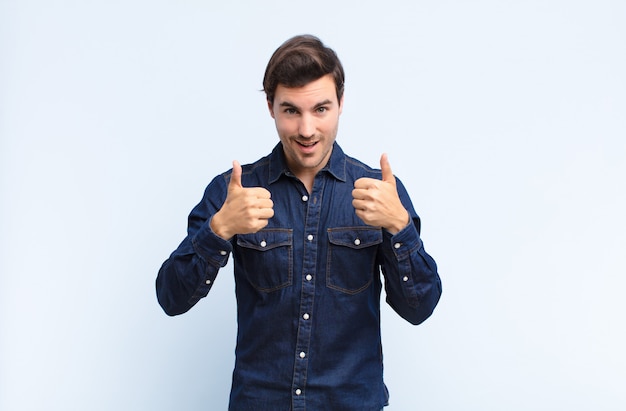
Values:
[(210, 247), (405, 240)]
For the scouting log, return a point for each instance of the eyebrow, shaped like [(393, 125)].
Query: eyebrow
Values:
[(318, 105)]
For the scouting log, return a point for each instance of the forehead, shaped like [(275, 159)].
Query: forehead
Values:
[(322, 89)]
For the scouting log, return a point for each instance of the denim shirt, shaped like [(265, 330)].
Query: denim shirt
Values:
[(308, 287)]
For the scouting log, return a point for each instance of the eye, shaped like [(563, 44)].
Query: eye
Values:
[(290, 110), (322, 109)]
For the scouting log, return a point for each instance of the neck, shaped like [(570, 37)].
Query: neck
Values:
[(307, 180)]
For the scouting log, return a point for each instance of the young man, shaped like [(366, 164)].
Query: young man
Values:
[(310, 230)]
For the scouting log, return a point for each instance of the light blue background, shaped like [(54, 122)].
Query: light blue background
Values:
[(506, 120)]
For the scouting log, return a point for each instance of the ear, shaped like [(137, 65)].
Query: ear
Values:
[(341, 104), (270, 106)]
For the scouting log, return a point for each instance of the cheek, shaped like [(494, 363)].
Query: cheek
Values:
[(285, 128), (331, 126)]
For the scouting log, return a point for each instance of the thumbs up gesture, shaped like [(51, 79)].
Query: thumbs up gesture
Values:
[(246, 209), (377, 203)]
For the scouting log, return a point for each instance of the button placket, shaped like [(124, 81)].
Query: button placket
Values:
[(309, 268)]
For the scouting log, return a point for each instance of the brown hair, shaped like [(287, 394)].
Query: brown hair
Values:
[(299, 61)]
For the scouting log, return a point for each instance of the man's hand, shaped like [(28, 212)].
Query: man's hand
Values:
[(377, 203), (246, 210)]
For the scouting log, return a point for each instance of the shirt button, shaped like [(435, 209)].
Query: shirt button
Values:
[(263, 243), (306, 316), (302, 354), (405, 278), (309, 237), (397, 245), (223, 252), (298, 391), (305, 198), (309, 277), (357, 242), (207, 282)]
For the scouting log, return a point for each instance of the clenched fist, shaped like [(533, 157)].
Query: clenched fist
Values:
[(246, 209), (377, 203)]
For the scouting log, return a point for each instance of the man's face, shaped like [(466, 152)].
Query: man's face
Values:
[(307, 119)]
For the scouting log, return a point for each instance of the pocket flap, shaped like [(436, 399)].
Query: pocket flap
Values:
[(355, 237), (265, 239)]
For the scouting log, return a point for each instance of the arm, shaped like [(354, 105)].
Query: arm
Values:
[(227, 209), (188, 274), (411, 281)]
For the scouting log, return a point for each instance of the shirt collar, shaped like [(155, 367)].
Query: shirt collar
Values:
[(336, 166)]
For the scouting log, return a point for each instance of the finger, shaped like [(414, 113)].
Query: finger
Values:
[(361, 194), (359, 204), (386, 169), (264, 203), (259, 192), (258, 214), (265, 213), (235, 177), (365, 183)]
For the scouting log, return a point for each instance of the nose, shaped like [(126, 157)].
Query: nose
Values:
[(306, 128)]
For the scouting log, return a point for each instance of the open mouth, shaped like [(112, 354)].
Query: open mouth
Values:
[(307, 144)]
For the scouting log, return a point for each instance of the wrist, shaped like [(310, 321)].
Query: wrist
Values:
[(400, 224), (218, 228)]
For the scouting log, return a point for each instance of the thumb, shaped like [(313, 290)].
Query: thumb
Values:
[(386, 169), (235, 177)]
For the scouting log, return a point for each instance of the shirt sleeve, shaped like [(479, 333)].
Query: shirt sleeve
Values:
[(190, 271), (412, 284)]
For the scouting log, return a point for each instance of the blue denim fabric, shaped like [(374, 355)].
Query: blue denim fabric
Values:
[(308, 288)]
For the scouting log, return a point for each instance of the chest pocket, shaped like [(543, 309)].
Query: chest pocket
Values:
[(267, 258), (351, 264)]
